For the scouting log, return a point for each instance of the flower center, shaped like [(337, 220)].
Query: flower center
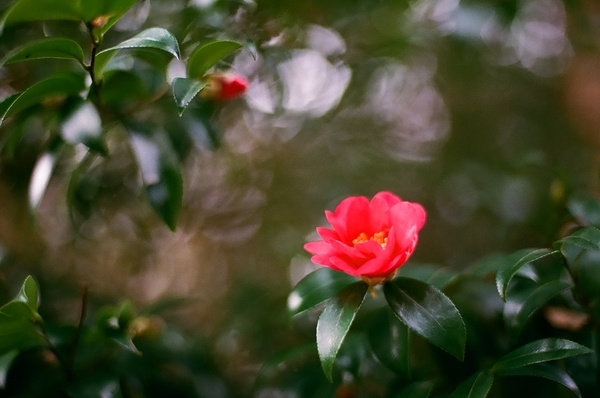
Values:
[(379, 237)]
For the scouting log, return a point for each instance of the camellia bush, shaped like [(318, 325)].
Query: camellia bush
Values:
[(367, 321)]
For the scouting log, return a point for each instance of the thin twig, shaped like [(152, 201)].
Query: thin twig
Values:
[(77, 335)]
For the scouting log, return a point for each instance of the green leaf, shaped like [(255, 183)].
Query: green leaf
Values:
[(428, 312), (18, 320), (29, 294), (546, 371), (184, 91), (587, 238), (390, 341), (536, 300), (40, 177), (207, 55), (55, 47), (335, 321), (540, 351), (476, 386), (420, 389), (513, 263), (64, 85), (6, 361), (38, 10), (150, 39), (113, 9), (160, 173), (74, 10), (18, 333), (316, 288), (84, 126), (434, 275)]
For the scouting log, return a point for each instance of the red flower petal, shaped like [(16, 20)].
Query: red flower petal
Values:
[(369, 239), (350, 217)]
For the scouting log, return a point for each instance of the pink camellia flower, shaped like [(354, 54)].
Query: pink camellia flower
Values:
[(224, 86), (370, 240)]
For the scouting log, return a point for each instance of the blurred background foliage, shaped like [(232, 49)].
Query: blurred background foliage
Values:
[(485, 111)]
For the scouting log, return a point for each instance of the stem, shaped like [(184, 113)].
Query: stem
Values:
[(77, 335), (92, 66)]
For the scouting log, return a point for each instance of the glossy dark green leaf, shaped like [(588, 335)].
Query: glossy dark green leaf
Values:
[(476, 386), (585, 208), (335, 321), (428, 312), (587, 238), (64, 85), (184, 91), (150, 39), (536, 300), (207, 55), (40, 177), (161, 173), (420, 389), (540, 351), (52, 47), (546, 371), (513, 263), (38, 10), (6, 361), (434, 275), (390, 341), (316, 288)]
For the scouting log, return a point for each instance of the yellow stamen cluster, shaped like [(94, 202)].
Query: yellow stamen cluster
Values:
[(379, 237)]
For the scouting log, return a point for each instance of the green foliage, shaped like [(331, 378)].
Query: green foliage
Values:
[(207, 55), (546, 371), (514, 263), (184, 91), (540, 351), (53, 47), (20, 322), (428, 312), (335, 321), (433, 331), (114, 95), (150, 39), (316, 288), (477, 386)]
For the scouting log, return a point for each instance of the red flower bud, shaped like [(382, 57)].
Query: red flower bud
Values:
[(369, 239), (224, 86)]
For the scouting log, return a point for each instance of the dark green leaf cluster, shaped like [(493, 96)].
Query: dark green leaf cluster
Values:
[(105, 94), (547, 300)]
